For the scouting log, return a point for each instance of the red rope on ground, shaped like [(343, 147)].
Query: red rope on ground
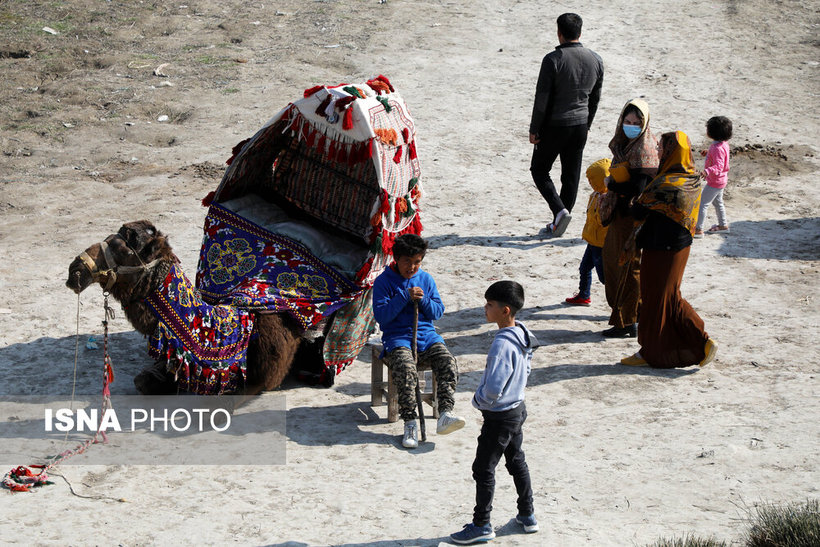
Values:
[(22, 478)]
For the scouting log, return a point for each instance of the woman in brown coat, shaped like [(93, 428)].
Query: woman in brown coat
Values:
[(635, 154), (670, 332)]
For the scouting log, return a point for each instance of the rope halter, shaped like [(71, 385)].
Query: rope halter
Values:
[(112, 269)]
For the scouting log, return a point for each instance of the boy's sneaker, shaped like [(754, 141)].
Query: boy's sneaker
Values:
[(449, 422), (473, 534), (578, 300), (529, 523), (411, 434)]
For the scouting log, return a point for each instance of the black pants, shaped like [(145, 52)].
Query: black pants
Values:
[(568, 143), (500, 434)]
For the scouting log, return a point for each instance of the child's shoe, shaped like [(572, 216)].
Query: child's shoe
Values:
[(698, 234), (578, 300), (473, 534), (449, 422), (717, 228), (411, 434), (529, 523)]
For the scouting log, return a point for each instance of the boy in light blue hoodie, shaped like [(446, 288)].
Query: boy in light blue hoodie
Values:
[(500, 398)]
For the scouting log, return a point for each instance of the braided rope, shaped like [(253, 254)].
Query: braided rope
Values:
[(22, 478)]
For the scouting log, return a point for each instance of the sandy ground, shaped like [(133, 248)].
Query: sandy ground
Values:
[(617, 456)]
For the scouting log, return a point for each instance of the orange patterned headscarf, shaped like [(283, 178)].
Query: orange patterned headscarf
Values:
[(675, 191)]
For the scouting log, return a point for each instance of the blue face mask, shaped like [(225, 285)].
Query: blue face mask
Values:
[(631, 131)]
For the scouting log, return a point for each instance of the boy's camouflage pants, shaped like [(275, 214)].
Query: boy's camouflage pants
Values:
[(405, 377)]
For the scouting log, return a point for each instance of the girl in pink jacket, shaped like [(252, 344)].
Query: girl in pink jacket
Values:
[(716, 171)]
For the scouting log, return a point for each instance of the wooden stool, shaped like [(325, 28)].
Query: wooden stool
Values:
[(381, 389)]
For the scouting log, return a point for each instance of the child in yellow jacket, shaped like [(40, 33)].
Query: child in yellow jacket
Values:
[(594, 233)]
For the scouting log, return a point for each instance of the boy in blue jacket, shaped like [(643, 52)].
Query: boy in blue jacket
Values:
[(500, 398), (394, 292)]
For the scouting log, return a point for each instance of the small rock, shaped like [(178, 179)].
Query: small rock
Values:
[(50, 30), (162, 118)]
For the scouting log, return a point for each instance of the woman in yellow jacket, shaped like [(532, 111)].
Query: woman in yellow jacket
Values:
[(594, 233)]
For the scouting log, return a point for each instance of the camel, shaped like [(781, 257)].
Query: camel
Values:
[(133, 262)]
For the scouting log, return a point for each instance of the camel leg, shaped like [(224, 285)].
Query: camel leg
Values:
[(155, 380), (271, 355)]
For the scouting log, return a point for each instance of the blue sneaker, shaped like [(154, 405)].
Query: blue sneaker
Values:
[(529, 523), (473, 534)]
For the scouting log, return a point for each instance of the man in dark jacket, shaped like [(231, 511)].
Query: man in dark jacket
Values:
[(566, 99)]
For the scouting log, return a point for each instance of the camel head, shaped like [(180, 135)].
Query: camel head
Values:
[(121, 259)]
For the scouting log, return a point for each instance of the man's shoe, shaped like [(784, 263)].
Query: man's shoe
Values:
[(529, 523), (411, 434), (473, 534), (634, 361), (578, 300), (561, 222), (630, 331), (709, 352), (449, 422)]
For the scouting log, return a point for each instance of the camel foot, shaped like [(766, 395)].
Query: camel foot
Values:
[(154, 380)]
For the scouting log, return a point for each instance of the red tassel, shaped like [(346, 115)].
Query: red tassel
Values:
[(320, 110), (417, 227), (311, 138), (397, 157), (341, 153), (413, 150), (235, 150), (331, 152), (385, 206), (312, 90), (386, 81), (207, 200), (378, 86), (348, 120), (406, 134), (369, 148), (322, 143), (364, 270), (388, 239), (344, 101)]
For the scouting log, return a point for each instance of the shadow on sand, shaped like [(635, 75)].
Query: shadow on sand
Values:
[(529, 241), (789, 239)]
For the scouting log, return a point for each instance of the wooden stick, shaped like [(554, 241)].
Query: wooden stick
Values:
[(416, 362)]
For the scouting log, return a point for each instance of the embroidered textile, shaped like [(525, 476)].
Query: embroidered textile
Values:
[(205, 344), (350, 331), (245, 265)]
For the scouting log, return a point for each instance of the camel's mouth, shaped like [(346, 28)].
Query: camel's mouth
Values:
[(78, 278)]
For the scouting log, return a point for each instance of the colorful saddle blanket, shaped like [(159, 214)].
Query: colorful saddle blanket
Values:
[(206, 345), (247, 266)]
